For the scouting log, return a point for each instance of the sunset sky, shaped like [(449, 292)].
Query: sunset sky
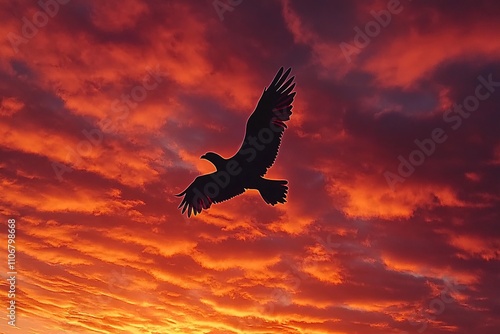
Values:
[(392, 224)]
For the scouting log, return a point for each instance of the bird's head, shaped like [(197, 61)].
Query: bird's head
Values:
[(214, 158)]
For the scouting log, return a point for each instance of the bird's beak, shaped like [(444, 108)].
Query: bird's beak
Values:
[(203, 157)]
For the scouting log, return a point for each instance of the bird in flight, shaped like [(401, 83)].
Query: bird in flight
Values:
[(246, 169)]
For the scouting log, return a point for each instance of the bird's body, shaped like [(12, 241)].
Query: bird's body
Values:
[(245, 170)]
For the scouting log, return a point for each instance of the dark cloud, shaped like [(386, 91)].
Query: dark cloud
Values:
[(346, 253)]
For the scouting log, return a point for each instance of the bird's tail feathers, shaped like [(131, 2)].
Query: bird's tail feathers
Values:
[(273, 191)]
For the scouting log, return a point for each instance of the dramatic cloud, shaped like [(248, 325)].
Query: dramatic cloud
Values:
[(392, 156)]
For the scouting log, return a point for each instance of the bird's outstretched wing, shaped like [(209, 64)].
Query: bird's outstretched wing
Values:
[(266, 125), (207, 189)]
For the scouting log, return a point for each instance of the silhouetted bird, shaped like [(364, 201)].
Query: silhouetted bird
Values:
[(245, 170)]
